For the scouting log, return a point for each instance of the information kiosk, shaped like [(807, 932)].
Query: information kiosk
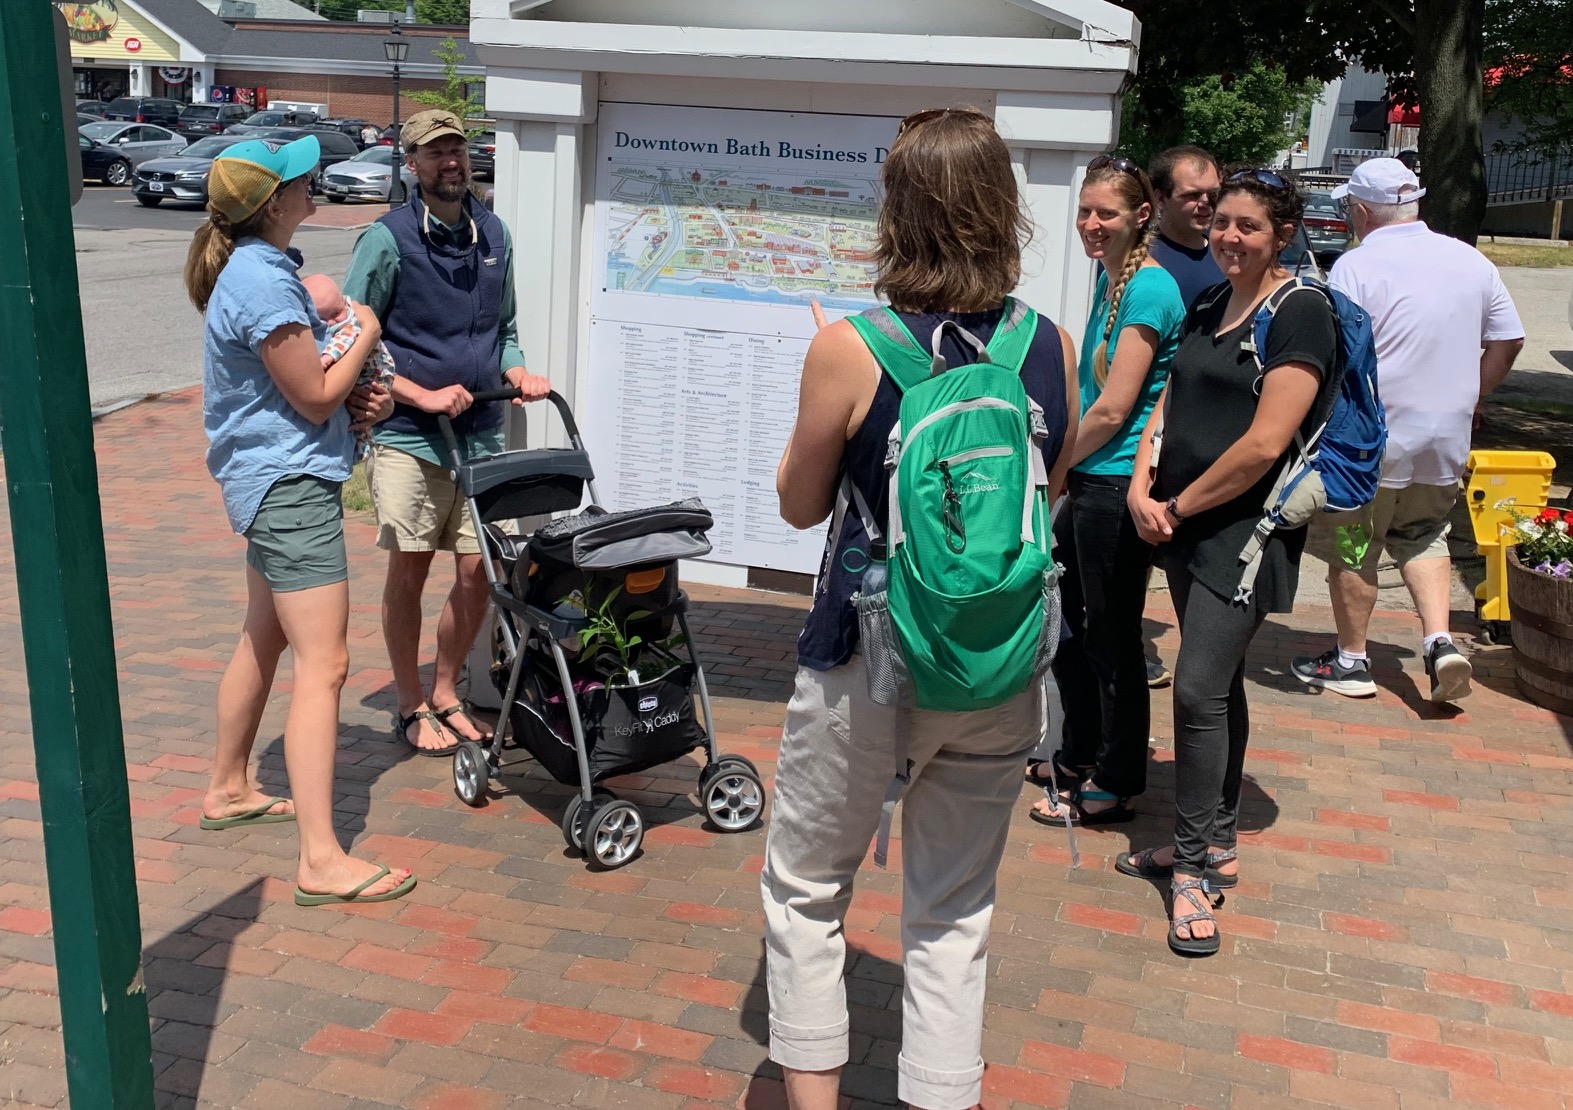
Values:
[(682, 177)]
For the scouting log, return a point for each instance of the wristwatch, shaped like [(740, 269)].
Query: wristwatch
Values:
[(1172, 506)]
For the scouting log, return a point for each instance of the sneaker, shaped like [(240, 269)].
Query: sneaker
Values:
[(1326, 673), (1157, 674), (1448, 671)]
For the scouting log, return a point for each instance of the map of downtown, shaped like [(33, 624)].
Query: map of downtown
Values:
[(682, 228)]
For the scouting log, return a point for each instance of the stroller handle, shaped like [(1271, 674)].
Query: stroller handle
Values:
[(508, 393)]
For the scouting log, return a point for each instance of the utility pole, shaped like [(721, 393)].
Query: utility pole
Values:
[(63, 587)]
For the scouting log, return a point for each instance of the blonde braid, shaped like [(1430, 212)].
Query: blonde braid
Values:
[(1133, 262)]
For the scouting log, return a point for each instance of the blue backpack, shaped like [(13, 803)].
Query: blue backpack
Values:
[(1339, 468)]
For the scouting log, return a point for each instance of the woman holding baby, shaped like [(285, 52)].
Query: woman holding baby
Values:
[(281, 437)]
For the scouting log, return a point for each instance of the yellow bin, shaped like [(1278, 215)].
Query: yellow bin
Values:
[(1522, 477)]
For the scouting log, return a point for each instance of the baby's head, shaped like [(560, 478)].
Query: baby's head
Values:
[(330, 303)]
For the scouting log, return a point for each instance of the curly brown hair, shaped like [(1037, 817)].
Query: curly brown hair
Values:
[(1284, 206), (952, 225)]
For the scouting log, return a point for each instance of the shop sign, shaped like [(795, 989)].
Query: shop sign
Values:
[(133, 44), (90, 22)]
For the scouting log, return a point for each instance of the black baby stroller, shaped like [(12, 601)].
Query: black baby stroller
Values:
[(593, 655)]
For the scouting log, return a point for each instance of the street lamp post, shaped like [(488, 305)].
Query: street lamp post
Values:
[(397, 49)]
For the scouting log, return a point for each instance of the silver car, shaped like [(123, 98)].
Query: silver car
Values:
[(139, 142), (367, 176)]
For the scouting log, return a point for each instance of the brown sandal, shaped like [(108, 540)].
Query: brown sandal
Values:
[(403, 725)]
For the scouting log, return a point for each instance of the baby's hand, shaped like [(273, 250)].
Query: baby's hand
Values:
[(327, 360)]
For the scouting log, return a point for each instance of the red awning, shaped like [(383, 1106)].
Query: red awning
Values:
[(1404, 117)]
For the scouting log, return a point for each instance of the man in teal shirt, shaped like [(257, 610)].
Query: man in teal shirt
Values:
[(438, 272)]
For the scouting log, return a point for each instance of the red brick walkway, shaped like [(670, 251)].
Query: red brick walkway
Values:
[(1402, 936)]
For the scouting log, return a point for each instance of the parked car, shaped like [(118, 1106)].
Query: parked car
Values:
[(135, 142), (182, 177), (1298, 257), (350, 127), (483, 156), (1326, 228), (83, 117), (262, 121), (336, 146), (367, 176), (145, 109), (94, 108), (103, 163), (210, 119)]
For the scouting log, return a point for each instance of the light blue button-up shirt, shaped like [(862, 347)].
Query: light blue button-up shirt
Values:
[(255, 436)]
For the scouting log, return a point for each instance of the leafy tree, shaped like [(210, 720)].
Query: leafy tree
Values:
[(1251, 117), (1529, 45), (455, 95), (1432, 51)]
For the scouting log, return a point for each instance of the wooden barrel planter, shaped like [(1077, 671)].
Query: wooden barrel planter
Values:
[(1542, 608)]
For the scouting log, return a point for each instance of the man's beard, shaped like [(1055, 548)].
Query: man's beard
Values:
[(449, 191)]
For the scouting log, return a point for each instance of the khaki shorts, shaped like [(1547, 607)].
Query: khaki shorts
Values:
[(418, 506), (1409, 524), (296, 540)]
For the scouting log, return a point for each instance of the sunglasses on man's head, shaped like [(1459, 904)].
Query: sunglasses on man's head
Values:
[(1115, 162), (1264, 176)]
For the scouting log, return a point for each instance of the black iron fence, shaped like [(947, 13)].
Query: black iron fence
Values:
[(1521, 178)]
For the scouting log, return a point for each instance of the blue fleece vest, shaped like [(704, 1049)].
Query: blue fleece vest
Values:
[(442, 325)]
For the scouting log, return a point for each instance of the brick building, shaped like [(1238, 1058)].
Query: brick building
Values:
[(183, 49)]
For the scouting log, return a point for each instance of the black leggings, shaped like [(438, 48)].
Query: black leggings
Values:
[(1211, 721), (1101, 669)]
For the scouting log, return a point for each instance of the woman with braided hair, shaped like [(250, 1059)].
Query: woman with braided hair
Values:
[(1101, 670)]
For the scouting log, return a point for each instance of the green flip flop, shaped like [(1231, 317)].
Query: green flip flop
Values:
[(306, 898), (258, 816)]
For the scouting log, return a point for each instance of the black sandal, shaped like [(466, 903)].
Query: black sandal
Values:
[(458, 710), (1192, 946), (403, 725), (1068, 777), (1140, 865)]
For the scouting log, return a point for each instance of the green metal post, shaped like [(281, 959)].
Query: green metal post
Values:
[(63, 585)]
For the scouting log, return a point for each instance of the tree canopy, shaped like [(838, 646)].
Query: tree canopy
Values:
[(455, 95), (1250, 117)]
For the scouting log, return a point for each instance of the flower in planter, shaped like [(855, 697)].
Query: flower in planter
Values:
[(1544, 541)]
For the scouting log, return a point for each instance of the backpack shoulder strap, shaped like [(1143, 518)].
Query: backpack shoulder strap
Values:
[(1256, 340), (1012, 338), (893, 346)]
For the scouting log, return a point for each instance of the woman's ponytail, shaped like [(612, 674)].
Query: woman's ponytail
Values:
[(210, 250)]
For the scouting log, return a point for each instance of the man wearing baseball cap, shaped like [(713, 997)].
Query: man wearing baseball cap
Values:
[(438, 272), (1446, 335)]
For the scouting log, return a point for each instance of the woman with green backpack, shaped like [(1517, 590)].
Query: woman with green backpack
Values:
[(1101, 668), (971, 399)]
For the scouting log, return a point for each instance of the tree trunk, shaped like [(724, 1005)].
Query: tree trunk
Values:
[(1450, 76)]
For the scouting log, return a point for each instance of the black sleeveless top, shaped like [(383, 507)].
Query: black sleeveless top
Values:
[(831, 631)]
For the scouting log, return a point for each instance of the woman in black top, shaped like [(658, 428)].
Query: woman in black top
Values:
[(1228, 425)]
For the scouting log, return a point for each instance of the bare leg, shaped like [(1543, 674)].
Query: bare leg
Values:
[(1353, 599), (812, 1090), (242, 697), (401, 631), (1430, 583), (456, 632), (315, 622)]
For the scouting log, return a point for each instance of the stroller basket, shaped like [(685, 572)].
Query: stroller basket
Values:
[(628, 727)]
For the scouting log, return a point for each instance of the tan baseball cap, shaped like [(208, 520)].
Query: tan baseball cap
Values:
[(431, 124)]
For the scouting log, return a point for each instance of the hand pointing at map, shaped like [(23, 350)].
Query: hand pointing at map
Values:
[(820, 321)]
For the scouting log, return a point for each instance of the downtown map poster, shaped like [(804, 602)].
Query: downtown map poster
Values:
[(714, 229)]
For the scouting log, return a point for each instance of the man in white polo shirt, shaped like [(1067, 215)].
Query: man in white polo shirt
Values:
[(1446, 335)]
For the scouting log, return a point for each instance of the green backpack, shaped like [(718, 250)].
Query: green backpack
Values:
[(969, 616)]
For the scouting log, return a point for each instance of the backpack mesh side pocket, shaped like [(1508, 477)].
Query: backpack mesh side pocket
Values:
[(888, 681)]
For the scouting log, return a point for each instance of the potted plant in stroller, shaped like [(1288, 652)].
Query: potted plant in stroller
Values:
[(1540, 598)]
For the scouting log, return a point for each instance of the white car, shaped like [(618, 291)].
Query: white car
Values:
[(139, 142), (367, 176)]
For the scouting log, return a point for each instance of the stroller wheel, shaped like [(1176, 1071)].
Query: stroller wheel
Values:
[(732, 795), (470, 773), (574, 815), (613, 833), (737, 761)]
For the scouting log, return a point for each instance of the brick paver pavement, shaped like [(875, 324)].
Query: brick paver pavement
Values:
[(1402, 936)]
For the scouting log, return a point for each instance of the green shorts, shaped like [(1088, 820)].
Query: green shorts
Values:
[(296, 540)]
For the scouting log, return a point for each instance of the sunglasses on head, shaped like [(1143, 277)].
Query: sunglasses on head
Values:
[(928, 114), (1115, 162), (1264, 176)]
